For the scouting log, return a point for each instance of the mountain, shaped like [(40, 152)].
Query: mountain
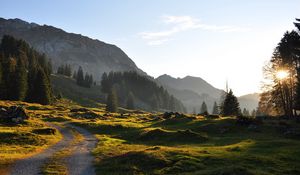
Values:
[(195, 84), (249, 101), (192, 91), (62, 47)]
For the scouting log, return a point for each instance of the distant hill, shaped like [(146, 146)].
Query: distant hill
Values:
[(94, 56), (192, 91), (249, 101), (195, 84)]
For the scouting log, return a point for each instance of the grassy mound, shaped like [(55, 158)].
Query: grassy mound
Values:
[(160, 135), (134, 162), (14, 138)]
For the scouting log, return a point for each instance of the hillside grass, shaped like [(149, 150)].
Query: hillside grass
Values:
[(138, 142), (23, 140), (143, 144)]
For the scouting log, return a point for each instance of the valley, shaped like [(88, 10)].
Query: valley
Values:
[(154, 87), (139, 142)]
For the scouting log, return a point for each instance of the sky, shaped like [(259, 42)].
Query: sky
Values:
[(216, 40)]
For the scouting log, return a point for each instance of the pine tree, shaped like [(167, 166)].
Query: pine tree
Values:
[(104, 83), (203, 108), (86, 80), (172, 103), (112, 101), (1, 73), (80, 78), (8, 79), (42, 88), (74, 75), (130, 101), (230, 105), (246, 112), (215, 109), (20, 81), (297, 98)]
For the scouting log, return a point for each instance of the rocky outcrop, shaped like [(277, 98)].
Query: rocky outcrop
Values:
[(13, 114), (93, 55)]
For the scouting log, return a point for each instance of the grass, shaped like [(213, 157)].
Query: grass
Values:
[(138, 142), (19, 141), (142, 145)]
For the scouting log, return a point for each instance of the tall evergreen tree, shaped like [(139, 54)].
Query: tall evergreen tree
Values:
[(8, 79), (297, 99), (215, 109), (203, 108), (42, 88), (20, 81), (130, 101), (246, 112), (74, 75), (230, 106), (80, 78), (112, 101)]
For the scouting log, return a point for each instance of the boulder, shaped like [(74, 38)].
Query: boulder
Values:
[(13, 114)]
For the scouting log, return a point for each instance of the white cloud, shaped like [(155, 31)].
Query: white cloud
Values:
[(180, 24)]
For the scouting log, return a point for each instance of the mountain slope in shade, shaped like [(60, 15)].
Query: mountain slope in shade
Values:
[(249, 101), (192, 91), (94, 56), (195, 84)]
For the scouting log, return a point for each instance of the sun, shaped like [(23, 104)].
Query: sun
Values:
[(282, 74)]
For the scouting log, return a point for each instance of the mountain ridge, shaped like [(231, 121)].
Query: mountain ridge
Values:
[(192, 91), (95, 56)]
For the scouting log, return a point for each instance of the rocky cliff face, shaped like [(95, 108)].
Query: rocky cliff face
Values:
[(94, 56)]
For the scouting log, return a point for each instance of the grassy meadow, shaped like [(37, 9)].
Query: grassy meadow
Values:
[(138, 142)]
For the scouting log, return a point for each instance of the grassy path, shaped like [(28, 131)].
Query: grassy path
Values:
[(33, 165), (69, 156)]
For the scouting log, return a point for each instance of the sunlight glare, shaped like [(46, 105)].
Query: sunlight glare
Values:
[(282, 74)]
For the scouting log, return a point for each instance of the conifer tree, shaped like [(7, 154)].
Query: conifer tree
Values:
[(42, 88), (74, 75), (203, 108), (80, 78), (20, 81), (215, 109), (246, 112), (130, 101), (112, 101), (297, 98), (104, 83), (230, 105)]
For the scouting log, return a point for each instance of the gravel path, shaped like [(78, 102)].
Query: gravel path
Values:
[(32, 165), (80, 162)]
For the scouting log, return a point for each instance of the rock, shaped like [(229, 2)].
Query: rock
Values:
[(86, 115), (13, 114), (45, 131), (80, 110), (246, 121), (212, 116)]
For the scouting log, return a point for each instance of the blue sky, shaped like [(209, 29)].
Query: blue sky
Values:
[(215, 40)]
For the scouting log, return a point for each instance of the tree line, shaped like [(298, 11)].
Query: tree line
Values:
[(24, 72), (81, 79), (130, 87), (281, 90)]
